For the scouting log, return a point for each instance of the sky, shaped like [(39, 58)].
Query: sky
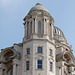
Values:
[(12, 13)]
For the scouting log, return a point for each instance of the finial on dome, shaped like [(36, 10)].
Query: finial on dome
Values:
[(38, 4)]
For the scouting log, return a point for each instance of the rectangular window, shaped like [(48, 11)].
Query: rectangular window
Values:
[(50, 52), (51, 66), (27, 65), (39, 64), (28, 51), (39, 49)]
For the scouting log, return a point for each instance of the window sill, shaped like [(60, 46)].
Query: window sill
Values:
[(27, 55), (39, 53), (51, 56), (27, 70), (40, 69), (51, 71)]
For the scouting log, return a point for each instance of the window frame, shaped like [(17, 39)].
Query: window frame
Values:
[(50, 52), (51, 66), (40, 65), (40, 51), (27, 51), (27, 65)]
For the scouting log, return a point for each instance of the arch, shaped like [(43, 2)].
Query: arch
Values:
[(15, 53), (68, 56), (39, 27), (6, 55), (6, 51)]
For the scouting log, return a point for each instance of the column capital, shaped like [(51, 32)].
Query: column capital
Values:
[(15, 62)]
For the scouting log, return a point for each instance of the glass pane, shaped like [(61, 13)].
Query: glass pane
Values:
[(39, 66)]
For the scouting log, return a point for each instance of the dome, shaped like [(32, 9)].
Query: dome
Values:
[(38, 6), (57, 31)]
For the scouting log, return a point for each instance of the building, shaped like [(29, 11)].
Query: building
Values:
[(44, 50)]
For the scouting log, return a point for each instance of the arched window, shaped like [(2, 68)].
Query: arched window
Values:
[(39, 27)]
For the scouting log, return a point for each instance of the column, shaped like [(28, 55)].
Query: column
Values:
[(52, 24), (1, 70), (44, 27), (62, 68), (14, 70), (35, 26), (15, 63)]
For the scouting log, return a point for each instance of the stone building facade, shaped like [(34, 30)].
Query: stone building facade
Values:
[(44, 50)]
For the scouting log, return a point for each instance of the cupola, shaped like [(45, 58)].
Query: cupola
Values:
[(38, 23)]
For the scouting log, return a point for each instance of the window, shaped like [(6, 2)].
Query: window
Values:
[(27, 28), (39, 49), (30, 27), (39, 27), (39, 64), (50, 52), (51, 66), (28, 51), (27, 65)]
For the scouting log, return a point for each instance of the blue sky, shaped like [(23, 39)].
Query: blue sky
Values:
[(12, 13)]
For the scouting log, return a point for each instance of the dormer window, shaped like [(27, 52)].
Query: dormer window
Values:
[(39, 27)]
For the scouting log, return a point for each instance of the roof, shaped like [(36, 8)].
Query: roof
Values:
[(58, 31), (39, 6)]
